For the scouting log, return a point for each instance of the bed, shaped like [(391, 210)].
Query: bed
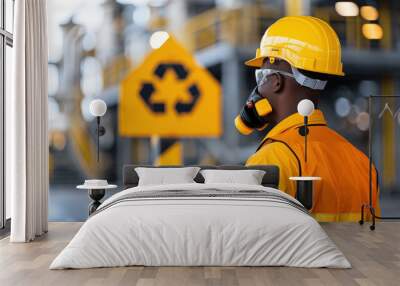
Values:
[(201, 224)]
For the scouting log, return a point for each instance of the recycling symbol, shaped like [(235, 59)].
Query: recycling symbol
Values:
[(170, 95), (148, 89)]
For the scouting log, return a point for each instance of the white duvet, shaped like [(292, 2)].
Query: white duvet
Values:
[(200, 231)]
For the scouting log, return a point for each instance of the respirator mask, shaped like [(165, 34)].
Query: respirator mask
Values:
[(254, 113)]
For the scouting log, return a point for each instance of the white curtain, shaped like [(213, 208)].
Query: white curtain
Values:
[(26, 123)]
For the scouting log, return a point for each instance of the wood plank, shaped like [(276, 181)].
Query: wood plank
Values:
[(375, 257)]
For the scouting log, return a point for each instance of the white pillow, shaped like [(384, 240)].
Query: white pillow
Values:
[(249, 177), (163, 176)]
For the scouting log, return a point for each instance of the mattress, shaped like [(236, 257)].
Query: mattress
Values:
[(200, 225)]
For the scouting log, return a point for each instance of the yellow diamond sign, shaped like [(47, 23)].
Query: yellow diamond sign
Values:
[(170, 95)]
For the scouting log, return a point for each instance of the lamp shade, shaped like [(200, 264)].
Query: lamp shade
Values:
[(305, 107), (97, 107)]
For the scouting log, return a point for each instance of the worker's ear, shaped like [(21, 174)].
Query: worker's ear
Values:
[(277, 82)]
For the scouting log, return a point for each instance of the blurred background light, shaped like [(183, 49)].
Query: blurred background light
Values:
[(361, 104), (53, 108), (93, 7), (85, 110), (153, 3), (368, 87), (346, 8), (158, 3), (342, 106), (133, 2), (92, 76), (362, 121), (58, 140), (57, 119), (89, 41), (369, 13), (141, 15), (372, 31), (352, 116), (157, 39), (53, 82)]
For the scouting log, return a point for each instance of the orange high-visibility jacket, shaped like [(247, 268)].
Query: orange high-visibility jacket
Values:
[(343, 168)]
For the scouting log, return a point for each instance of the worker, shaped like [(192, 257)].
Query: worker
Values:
[(296, 58)]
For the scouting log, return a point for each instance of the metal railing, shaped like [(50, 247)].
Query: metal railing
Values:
[(244, 26)]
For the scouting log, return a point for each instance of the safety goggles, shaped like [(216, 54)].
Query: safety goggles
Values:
[(263, 74)]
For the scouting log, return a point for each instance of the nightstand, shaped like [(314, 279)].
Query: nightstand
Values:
[(96, 193)]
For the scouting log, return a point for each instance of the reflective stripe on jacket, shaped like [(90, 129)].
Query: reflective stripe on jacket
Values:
[(343, 168)]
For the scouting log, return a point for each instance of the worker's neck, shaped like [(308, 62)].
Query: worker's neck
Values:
[(284, 114), (289, 102)]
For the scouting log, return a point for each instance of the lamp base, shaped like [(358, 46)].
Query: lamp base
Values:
[(96, 195), (304, 190), (304, 193)]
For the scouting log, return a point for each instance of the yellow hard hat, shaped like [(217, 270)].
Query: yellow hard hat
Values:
[(305, 42)]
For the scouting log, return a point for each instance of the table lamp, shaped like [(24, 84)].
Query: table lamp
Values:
[(98, 108), (304, 192), (305, 108)]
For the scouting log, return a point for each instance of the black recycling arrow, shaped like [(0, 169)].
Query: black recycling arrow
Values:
[(179, 70), (146, 92), (181, 107)]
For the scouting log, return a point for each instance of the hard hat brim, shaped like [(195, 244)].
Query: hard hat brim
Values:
[(256, 62)]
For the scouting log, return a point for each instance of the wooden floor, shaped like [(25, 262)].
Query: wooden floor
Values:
[(375, 257)]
